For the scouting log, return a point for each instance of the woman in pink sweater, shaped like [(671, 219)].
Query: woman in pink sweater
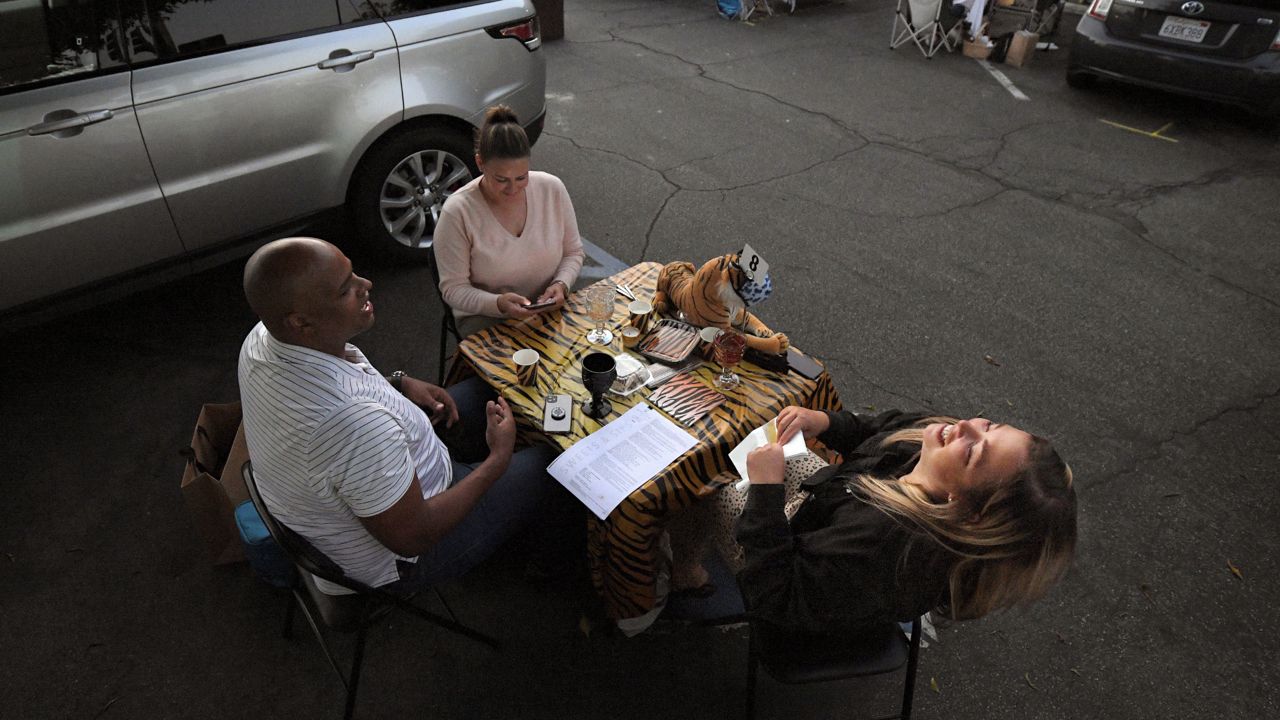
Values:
[(509, 238)]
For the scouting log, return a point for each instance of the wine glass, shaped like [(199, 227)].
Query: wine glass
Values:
[(600, 309), (729, 346), (599, 370)]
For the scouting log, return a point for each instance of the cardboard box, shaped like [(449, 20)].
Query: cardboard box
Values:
[(1021, 47), (212, 484), (976, 49)]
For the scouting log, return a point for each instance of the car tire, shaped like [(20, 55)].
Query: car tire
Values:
[(401, 186), (1081, 80)]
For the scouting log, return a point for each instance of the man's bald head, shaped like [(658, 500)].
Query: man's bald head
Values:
[(279, 276)]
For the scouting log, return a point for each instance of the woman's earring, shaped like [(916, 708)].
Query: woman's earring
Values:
[(951, 498)]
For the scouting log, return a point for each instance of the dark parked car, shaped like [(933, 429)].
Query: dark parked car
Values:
[(1222, 50)]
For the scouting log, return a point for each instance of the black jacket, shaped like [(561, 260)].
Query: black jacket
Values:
[(841, 565)]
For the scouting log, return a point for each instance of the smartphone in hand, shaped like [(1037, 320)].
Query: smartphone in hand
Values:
[(539, 305)]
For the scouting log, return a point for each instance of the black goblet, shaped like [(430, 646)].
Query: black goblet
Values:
[(599, 370)]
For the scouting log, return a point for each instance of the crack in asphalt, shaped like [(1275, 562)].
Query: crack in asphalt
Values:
[(653, 222), (1105, 206), (1248, 406), (783, 176), (591, 148), (851, 368), (648, 233), (702, 73)]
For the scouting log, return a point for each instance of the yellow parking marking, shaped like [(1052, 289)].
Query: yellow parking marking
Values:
[(1158, 134)]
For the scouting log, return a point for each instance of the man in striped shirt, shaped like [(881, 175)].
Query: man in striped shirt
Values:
[(352, 463)]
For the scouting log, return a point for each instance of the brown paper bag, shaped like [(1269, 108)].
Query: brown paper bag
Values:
[(1021, 48), (212, 483)]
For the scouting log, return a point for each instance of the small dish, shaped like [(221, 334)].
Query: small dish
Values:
[(632, 375), (669, 341)]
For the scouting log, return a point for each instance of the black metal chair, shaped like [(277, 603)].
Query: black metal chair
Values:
[(794, 660), (341, 613), (448, 325)]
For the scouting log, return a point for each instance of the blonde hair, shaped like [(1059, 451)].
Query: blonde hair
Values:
[(1013, 539)]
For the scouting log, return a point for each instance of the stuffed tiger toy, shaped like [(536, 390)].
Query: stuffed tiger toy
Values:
[(718, 295)]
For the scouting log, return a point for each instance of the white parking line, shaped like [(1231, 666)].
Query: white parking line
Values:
[(1003, 80)]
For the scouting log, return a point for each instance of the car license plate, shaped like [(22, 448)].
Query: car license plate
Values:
[(1183, 29)]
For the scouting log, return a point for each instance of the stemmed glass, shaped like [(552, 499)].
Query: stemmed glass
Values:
[(599, 370), (600, 309), (729, 346)]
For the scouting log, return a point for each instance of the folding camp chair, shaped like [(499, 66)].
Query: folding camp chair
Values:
[(448, 324), (356, 612), (920, 21)]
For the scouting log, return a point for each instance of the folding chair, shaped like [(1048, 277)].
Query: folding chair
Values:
[(448, 324), (341, 613), (922, 24), (796, 660)]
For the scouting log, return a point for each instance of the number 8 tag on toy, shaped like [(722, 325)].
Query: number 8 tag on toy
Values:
[(752, 264)]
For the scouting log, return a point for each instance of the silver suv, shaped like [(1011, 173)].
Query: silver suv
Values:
[(144, 135)]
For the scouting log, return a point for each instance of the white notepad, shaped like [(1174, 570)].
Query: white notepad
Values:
[(760, 437)]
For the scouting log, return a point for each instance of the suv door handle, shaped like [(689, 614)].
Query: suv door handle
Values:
[(344, 60), (68, 121)]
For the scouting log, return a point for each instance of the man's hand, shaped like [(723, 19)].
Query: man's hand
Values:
[(767, 465), (500, 434), (793, 418), (431, 396), (512, 305)]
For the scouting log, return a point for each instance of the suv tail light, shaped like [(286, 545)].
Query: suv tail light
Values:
[(1275, 44), (1100, 8), (527, 31)]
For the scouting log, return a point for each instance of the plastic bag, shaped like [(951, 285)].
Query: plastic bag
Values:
[(730, 9)]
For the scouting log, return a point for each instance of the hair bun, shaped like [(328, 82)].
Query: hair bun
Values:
[(501, 136), (500, 114)]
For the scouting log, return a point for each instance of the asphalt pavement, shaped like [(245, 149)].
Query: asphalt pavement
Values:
[(1099, 267)]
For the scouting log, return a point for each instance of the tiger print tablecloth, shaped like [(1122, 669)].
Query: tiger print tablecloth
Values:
[(624, 548)]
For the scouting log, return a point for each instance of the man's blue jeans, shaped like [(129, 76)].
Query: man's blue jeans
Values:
[(516, 500)]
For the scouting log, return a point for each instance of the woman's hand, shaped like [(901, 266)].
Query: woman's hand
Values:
[(794, 418), (512, 305), (766, 465), (555, 292)]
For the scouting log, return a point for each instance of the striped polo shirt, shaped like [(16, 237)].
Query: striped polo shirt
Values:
[(331, 442)]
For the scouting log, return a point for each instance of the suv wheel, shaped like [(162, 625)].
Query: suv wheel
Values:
[(401, 187)]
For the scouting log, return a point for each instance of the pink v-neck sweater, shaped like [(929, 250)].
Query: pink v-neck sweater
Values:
[(479, 260)]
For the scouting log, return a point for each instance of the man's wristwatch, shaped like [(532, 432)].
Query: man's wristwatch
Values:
[(396, 379)]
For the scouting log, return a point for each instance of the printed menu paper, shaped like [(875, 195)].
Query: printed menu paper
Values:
[(606, 466)]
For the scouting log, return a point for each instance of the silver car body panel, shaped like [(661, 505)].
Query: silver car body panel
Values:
[(200, 151), (434, 45), (230, 158), (76, 207)]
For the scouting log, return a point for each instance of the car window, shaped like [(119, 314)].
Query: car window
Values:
[(393, 8), (40, 44), (164, 29)]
